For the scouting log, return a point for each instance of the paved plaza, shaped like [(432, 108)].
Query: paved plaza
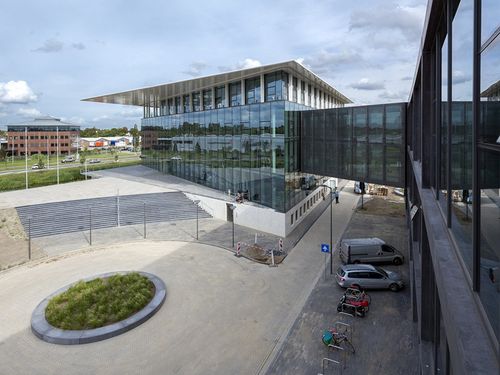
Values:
[(222, 315)]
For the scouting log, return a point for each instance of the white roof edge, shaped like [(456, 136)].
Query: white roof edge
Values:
[(243, 73)]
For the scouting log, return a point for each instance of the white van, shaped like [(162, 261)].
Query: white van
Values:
[(368, 250)]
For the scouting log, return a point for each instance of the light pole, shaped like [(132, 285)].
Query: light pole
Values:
[(232, 207), (26, 153), (331, 226), (196, 202)]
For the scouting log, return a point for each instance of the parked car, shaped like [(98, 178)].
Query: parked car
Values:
[(368, 250), (68, 159), (94, 161), (35, 166), (366, 276)]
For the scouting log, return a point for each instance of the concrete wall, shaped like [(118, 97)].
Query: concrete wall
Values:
[(259, 218), (289, 227)]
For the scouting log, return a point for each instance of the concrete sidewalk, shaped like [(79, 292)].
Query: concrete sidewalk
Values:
[(222, 315), (384, 340)]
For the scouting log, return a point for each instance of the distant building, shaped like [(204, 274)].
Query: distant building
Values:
[(104, 142), (43, 135)]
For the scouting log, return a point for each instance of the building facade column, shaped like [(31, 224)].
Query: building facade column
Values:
[(262, 89), (226, 95), (243, 93)]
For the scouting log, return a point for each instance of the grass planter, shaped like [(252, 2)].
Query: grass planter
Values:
[(99, 302), (98, 308)]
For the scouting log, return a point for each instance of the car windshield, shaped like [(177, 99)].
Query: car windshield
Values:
[(341, 272), (381, 270)]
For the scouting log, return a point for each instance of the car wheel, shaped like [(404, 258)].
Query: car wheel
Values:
[(397, 261), (355, 286), (394, 287)]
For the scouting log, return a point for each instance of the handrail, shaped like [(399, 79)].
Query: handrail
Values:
[(328, 360)]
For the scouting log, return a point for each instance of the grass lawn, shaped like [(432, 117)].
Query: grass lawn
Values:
[(99, 302), (19, 161), (49, 177)]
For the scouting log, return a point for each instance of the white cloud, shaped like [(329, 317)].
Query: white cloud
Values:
[(459, 76), (100, 118), (29, 112), (131, 112), (248, 63), (367, 84), (74, 120), (394, 95), (16, 92), (244, 64), (50, 45), (78, 45), (405, 20), (195, 69)]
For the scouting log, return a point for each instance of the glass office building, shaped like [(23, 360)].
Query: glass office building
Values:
[(237, 135), (453, 187)]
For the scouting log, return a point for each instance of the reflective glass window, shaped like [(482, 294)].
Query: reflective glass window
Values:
[(220, 96), (171, 107), (275, 86), (490, 94), (235, 94), (295, 89), (207, 99), (360, 124), (490, 14), (489, 184), (461, 128), (444, 122), (375, 124), (186, 102), (178, 104), (196, 101), (393, 124), (252, 88)]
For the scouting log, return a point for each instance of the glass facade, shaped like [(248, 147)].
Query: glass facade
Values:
[(240, 149), (217, 142), (489, 164), (453, 186), (357, 143)]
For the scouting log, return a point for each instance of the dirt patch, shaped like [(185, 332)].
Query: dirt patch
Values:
[(384, 206), (262, 255), (14, 249)]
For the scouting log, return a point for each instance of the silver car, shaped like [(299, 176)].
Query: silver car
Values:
[(366, 276)]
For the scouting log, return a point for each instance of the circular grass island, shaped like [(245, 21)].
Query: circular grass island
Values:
[(98, 308)]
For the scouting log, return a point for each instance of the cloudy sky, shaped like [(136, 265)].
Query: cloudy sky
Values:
[(54, 53)]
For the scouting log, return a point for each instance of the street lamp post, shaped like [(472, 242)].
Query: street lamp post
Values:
[(232, 208), (331, 227), (196, 202)]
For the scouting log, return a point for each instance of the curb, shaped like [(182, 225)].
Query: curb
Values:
[(46, 332)]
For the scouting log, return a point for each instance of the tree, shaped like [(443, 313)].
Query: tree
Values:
[(3, 154), (40, 161), (135, 137)]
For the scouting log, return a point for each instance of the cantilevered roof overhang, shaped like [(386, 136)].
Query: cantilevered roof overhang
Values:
[(139, 96)]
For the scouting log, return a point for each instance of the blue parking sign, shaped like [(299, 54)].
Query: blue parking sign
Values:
[(325, 248)]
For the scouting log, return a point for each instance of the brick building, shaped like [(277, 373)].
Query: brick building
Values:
[(43, 135)]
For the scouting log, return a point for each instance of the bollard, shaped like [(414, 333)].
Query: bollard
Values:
[(238, 250), (272, 259)]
